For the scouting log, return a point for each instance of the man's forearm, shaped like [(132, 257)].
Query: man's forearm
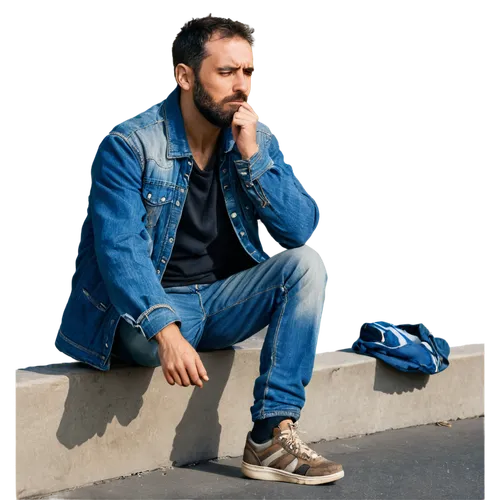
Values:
[(167, 332)]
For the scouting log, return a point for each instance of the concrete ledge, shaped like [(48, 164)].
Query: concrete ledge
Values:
[(77, 425)]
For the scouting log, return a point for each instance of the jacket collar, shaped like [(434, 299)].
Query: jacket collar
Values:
[(177, 144)]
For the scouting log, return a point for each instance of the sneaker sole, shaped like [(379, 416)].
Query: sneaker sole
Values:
[(270, 474)]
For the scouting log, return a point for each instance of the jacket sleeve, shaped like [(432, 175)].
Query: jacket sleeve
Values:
[(288, 212), (122, 241)]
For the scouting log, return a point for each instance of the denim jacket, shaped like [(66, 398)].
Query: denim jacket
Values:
[(140, 181)]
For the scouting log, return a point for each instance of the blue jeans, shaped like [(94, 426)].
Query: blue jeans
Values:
[(286, 292)]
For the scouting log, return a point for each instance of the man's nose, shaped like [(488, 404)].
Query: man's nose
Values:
[(241, 83)]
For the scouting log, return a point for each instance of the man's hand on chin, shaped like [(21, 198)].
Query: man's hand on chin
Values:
[(244, 128)]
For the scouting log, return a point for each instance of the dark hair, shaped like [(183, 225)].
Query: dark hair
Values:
[(189, 45)]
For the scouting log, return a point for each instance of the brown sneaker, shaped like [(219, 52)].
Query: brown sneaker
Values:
[(286, 458)]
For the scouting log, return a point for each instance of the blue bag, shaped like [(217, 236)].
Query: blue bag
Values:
[(409, 348)]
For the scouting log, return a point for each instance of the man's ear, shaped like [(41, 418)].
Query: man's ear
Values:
[(184, 76)]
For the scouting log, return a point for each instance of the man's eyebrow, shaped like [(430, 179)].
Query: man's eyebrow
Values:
[(233, 68)]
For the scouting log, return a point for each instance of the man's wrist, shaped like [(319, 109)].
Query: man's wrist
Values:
[(248, 154), (166, 333)]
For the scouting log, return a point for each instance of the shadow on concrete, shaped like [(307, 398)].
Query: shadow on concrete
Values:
[(197, 436), (392, 381), (94, 398)]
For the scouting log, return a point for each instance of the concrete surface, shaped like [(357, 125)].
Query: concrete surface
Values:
[(77, 425), (425, 462)]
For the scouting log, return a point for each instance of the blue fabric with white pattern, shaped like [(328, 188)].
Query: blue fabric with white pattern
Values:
[(409, 348)]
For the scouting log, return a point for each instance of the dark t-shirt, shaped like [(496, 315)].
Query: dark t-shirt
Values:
[(206, 247)]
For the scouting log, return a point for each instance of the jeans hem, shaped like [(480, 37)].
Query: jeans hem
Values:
[(284, 413)]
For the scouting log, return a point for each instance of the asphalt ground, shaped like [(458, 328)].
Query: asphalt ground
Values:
[(424, 462)]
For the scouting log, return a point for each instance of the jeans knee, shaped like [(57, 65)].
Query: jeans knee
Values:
[(132, 346), (310, 262)]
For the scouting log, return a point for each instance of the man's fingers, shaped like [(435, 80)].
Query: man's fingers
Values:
[(246, 112), (247, 106), (181, 370), (201, 369), (176, 377), (169, 378), (193, 373), (242, 120)]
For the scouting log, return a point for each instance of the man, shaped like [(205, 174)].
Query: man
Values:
[(170, 262)]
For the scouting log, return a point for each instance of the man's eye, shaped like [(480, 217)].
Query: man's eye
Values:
[(227, 73)]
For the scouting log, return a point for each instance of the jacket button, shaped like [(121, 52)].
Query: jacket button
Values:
[(226, 186), (234, 214), (190, 162), (177, 203), (106, 345), (182, 190), (242, 233), (224, 170), (149, 196), (163, 198), (171, 240)]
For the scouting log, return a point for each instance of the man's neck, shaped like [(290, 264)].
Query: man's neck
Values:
[(201, 134)]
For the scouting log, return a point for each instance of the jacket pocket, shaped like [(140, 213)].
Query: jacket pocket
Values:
[(155, 196), (99, 305)]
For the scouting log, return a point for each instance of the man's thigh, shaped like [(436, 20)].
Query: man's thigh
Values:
[(243, 304)]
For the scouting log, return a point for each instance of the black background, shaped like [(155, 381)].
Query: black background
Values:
[(372, 107)]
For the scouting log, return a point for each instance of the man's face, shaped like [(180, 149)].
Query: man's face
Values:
[(224, 77)]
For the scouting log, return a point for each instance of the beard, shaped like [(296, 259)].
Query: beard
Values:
[(211, 110)]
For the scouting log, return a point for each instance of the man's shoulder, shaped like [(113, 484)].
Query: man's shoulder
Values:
[(147, 119)]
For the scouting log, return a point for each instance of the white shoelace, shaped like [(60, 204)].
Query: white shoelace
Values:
[(292, 443)]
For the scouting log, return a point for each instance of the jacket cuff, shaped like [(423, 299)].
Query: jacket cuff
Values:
[(251, 169), (156, 318)]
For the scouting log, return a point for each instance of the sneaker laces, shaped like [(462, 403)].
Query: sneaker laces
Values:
[(292, 442)]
